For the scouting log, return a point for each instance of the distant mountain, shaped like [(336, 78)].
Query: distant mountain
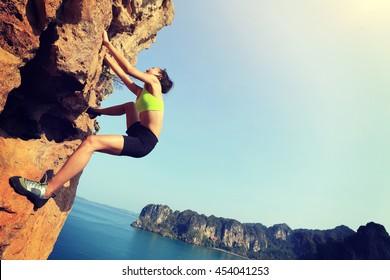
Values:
[(256, 241)]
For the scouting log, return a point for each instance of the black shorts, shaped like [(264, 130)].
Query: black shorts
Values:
[(139, 142)]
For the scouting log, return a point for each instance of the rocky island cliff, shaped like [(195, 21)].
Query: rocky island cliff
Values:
[(256, 241), (51, 70)]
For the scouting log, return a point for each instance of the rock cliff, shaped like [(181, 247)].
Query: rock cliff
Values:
[(256, 241), (51, 70)]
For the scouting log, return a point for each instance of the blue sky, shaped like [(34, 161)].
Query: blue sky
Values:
[(279, 114)]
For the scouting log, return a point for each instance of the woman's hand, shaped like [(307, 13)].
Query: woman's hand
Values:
[(105, 37), (108, 59)]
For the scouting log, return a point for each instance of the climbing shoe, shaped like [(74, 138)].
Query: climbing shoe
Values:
[(92, 113), (34, 191), (49, 174)]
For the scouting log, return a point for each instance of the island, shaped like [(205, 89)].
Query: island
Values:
[(256, 241)]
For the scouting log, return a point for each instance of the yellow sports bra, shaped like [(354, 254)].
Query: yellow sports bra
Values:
[(148, 102)]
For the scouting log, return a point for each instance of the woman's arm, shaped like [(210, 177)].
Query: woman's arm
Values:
[(126, 65), (122, 75)]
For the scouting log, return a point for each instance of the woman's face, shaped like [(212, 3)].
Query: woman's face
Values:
[(154, 71)]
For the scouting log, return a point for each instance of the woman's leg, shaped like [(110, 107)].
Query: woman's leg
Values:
[(118, 110), (109, 144)]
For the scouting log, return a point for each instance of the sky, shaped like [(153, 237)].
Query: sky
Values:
[(280, 113)]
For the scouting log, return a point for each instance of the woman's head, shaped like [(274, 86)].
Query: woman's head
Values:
[(162, 75), (166, 82)]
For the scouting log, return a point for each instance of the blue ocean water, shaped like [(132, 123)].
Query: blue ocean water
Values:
[(94, 231)]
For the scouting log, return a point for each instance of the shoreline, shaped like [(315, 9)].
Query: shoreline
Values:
[(224, 251), (133, 224)]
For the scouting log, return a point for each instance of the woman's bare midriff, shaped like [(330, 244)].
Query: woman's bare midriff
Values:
[(152, 120)]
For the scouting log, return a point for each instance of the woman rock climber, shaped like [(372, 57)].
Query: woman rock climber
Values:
[(144, 122)]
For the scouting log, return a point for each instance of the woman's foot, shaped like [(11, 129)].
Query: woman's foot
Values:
[(28, 188), (92, 113), (34, 191)]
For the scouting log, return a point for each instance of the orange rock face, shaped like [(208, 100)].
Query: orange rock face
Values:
[(51, 70)]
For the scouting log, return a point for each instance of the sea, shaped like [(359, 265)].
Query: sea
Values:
[(95, 231), (99, 233)]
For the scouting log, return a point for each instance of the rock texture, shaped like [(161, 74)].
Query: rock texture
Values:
[(256, 241), (51, 70)]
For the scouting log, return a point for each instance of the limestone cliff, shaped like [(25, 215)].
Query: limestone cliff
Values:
[(256, 241), (51, 70)]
